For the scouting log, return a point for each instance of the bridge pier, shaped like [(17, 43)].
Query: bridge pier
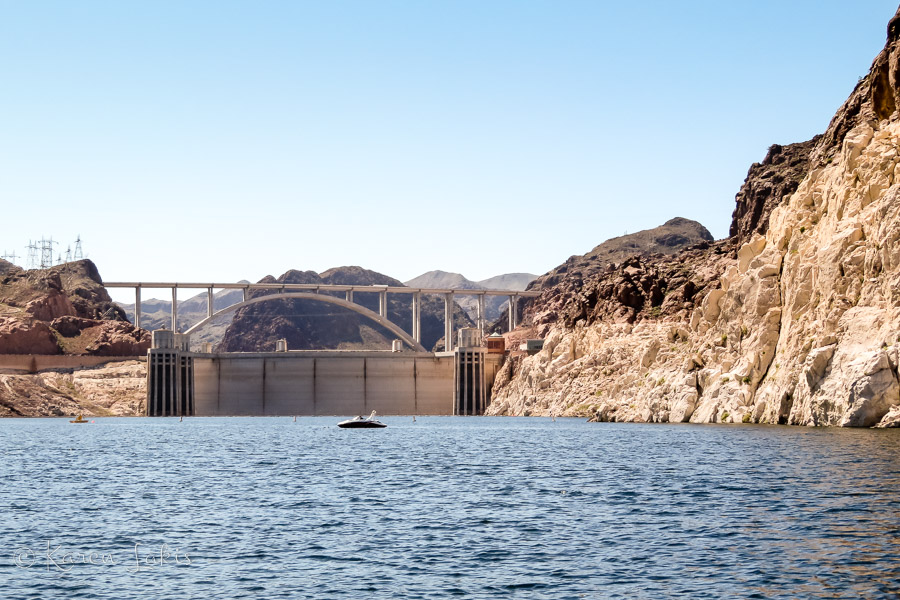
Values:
[(448, 322), (513, 310), (382, 304), (137, 307), (417, 317), (174, 309), (481, 318), (210, 302)]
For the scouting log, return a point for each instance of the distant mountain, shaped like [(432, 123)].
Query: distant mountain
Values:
[(510, 281), (442, 280), (493, 306), (312, 325)]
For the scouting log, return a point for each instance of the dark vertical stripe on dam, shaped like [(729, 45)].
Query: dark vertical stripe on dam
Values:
[(218, 385)]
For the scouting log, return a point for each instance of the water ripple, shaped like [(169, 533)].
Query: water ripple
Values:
[(445, 507)]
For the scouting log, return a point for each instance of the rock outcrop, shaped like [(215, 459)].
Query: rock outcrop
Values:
[(795, 319), (767, 184), (574, 284), (63, 310)]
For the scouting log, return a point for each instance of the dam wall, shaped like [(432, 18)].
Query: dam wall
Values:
[(323, 383)]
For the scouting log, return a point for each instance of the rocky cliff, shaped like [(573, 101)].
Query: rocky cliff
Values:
[(311, 325), (573, 283), (794, 319), (63, 310)]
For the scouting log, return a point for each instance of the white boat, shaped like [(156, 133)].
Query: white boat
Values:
[(369, 422)]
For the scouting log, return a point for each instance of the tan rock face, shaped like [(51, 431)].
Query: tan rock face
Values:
[(114, 389), (801, 327)]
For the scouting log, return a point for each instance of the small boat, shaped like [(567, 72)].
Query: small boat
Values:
[(369, 422), (79, 419)]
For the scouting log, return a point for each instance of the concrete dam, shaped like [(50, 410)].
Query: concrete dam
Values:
[(309, 383)]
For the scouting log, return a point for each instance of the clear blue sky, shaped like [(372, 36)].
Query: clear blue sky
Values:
[(229, 140)]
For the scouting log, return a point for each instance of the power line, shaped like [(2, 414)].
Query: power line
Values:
[(32, 255), (40, 253), (47, 252)]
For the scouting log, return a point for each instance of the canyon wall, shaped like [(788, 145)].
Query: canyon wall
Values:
[(794, 319)]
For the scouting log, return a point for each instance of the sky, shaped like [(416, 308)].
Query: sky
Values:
[(220, 141)]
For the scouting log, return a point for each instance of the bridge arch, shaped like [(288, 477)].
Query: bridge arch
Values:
[(362, 310)]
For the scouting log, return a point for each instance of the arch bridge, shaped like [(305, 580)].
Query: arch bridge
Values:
[(323, 293)]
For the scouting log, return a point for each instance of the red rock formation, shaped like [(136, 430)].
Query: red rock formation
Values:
[(64, 309), (26, 336)]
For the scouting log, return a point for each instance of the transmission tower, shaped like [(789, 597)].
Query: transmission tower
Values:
[(47, 253), (78, 254), (10, 257), (69, 254), (32, 255)]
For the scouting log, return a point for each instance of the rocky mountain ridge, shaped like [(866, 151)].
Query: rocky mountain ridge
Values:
[(568, 279), (794, 319)]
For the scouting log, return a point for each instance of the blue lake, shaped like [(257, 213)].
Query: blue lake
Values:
[(445, 507)]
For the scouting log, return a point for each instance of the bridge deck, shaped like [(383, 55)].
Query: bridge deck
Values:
[(307, 287)]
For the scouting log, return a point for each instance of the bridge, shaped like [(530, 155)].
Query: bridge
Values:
[(324, 293)]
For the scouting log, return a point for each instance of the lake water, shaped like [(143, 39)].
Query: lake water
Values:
[(445, 507)]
